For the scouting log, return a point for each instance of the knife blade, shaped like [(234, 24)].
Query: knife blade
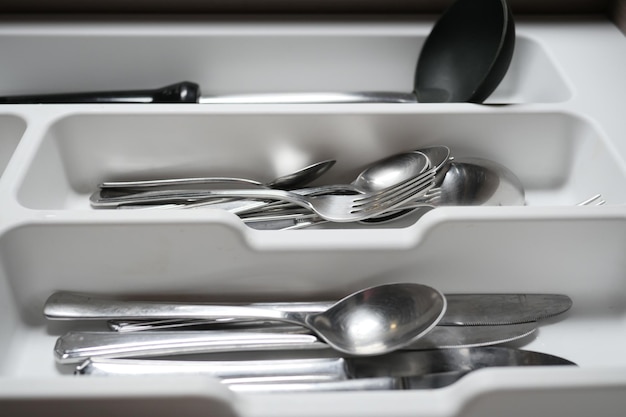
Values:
[(462, 309), (76, 346)]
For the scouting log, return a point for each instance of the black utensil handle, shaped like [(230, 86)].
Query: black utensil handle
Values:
[(183, 92)]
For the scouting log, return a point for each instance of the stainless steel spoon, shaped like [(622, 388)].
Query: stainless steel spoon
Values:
[(467, 182), (372, 321), (377, 176), (389, 171), (286, 182)]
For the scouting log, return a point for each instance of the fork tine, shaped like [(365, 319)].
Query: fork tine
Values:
[(397, 188), (377, 208), (596, 200), (393, 199)]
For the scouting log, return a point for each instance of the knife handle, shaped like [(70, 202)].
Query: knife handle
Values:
[(366, 384), (288, 370), (75, 347), (182, 92)]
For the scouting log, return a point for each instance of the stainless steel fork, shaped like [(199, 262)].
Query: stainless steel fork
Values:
[(335, 208)]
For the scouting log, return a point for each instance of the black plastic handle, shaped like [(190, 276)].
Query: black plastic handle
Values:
[(183, 92)]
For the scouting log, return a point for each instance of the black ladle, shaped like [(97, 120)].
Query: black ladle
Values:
[(467, 53), (464, 58)]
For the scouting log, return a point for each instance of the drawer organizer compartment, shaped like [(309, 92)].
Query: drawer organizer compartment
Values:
[(549, 129), (269, 58), (560, 158), (11, 130)]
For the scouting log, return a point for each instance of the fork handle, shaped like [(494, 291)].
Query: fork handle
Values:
[(102, 198)]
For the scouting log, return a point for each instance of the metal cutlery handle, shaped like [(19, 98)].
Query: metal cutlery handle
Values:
[(68, 306), (427, 381), (317, 369), (312, 98), (316, 374), (169, 182), (75, 347), (462, 309), (364, 384)]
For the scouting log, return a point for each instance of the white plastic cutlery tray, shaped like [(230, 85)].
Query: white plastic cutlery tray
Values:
[(557, 121)]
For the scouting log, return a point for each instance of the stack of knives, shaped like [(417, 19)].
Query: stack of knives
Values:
[(475, 332)]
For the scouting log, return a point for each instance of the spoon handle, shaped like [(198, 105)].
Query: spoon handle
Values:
[(69, 306), (178, 182)]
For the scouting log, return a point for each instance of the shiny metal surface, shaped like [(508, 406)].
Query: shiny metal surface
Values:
[(293, 180), (478, 181), (379, 175), (404, 370), (466, 182), (77, 346), (461, 310), (336, 208), (311, 98), (322, 369), (392, 170), (372, 321), (365, 384)]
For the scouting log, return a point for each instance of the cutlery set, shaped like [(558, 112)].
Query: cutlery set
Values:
[(388, 337), (451, 335), (386, 190)]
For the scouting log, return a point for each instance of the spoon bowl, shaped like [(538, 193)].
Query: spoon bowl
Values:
[(466, 182), (379, 319), (390, 171), (480, 182)]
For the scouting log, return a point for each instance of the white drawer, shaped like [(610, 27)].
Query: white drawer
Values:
[(556, 121)]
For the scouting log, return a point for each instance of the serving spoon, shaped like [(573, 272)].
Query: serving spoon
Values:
[(372, 321)]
